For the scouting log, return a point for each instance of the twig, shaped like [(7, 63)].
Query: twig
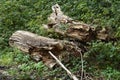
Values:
[(58, 61), (81, 62), (85, 75), (82, 66)]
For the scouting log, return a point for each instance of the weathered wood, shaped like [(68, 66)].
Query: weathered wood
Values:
[(77, 32), (75, 29), (38, 46), (82, 32), (57, 15), (25, 40)]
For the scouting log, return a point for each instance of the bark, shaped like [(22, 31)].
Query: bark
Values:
[(38, 46), (82, 32)]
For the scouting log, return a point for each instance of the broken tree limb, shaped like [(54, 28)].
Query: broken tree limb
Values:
[(75, 29), (57, 15), (38, 46), (24, 40), (68, 72), (81, 32)]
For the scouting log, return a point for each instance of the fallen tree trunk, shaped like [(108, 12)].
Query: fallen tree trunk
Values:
[(24, 40), (75, 29), (38, 46), (82, 32)]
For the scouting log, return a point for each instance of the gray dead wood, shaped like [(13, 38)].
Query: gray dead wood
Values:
[(38, 46)]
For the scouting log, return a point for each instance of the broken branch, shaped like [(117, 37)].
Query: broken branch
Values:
[(58, 61)]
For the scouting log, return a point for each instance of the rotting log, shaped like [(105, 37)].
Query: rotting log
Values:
[(75, 29), (25, 40), (82, 32), (38, 46)]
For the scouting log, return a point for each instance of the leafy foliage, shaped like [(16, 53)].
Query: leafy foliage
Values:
[(104, 54)]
